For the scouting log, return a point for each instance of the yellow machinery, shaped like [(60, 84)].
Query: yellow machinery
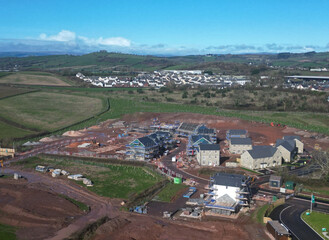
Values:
[(317, 146)]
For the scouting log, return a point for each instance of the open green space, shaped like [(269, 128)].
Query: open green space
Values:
[(170, 191), (115, 181), (7, 232), (9, 131), (46, 111), (317, 221), (6, 91), (34, 78)]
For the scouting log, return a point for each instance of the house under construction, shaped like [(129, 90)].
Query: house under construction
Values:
[(142, 149), (228, 193)]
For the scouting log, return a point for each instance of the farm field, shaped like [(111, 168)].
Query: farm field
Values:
[(170, 191), (34, 78), (46, 111), (12, 91), (317, 221), (9, 131), (115, 181)]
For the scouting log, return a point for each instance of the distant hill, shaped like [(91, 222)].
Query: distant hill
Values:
[(106, 62)]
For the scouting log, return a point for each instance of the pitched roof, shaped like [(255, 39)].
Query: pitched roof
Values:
[(188, 126), (196, 138), (204, 130), (237, 132), (278, 227), (147, 141), (241, 141), (291, 137), (227, 179), (262, 151), (209, 147), (289, 145)]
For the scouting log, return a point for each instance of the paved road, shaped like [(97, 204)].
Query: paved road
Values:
[(166, 160), (289, 214)]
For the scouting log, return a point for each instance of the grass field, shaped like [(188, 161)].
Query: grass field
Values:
[(170, 191), (9, 131), (317, 221), (49, 111), (7, 232), (12, 91), (34, 78), (109, 180)]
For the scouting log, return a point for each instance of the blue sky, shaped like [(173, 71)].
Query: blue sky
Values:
[(174, 27)]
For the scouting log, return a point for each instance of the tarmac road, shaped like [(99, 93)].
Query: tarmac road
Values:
[(289, 214), (166, 160)]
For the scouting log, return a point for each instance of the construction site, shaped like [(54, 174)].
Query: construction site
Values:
[(167, 142)]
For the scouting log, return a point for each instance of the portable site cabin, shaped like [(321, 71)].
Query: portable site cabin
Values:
[(275, 181)]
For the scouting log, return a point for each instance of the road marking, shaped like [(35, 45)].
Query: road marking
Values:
[(310, 226), (285, 224)]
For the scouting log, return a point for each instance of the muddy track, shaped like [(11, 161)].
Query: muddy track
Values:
[(99, 206)]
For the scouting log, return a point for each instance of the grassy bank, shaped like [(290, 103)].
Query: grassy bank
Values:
[(170, 191), (317, 221), (7, 232)]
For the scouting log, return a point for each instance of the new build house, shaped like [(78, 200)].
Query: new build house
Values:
[(186, 129), (287, 148), (298, 142), (229, 192), (261, 157), (208, 154), (236, 133), (203, 130), (194, 141), (239, 145), (142, 149)]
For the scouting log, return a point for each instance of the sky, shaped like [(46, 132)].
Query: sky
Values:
[(164, 27)]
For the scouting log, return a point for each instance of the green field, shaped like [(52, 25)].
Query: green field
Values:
[(12, 91), (10, 131), (317, 221), (7, 232), (34, 78), (109, 180), (170, 191), (49, 111)]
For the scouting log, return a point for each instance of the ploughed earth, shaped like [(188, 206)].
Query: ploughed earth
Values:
[(36, 213)]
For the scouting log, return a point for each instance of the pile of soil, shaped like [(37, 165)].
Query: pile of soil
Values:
[(73, 134)]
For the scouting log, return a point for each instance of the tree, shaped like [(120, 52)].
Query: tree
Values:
[(185, 95), (321, 159)]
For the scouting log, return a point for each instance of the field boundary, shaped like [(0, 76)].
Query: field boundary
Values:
[(18, 94)]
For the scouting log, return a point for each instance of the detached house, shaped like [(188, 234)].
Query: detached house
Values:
[(261, 157), (208, 155), (298, 142), (142, 149), (194, 141)]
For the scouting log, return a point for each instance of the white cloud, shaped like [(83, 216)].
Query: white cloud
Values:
[(62, 36), (114, 41)]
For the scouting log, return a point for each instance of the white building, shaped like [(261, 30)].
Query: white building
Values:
[(229, 193)]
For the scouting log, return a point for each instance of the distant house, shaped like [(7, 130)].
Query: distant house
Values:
[(239, 145), (229, 193), (142, 149), (236, 133), (194, 141), (261, 157), (299, 143), (208, 154)]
